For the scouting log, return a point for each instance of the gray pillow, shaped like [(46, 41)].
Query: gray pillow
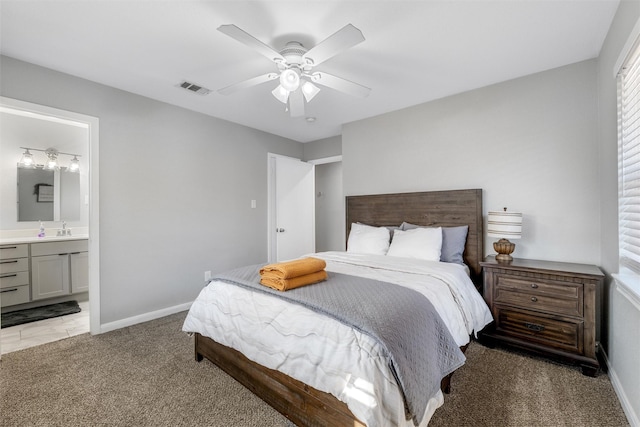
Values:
[(453, 241)]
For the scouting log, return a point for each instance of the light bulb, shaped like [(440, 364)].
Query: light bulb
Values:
[(290, 79), (74, 166), (27, 159), (52, 163)]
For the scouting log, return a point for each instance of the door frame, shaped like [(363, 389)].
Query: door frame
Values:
[(92, 124)]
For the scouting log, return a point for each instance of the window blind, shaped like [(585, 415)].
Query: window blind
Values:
[(629, 160)]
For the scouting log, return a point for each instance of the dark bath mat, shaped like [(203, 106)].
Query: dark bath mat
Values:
[(19, 317)]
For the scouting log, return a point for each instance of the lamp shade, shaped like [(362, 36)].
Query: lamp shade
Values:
[(503, 224), (281, 94)]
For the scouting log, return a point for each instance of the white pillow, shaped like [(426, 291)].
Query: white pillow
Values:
[(365, 239), (420, 243)]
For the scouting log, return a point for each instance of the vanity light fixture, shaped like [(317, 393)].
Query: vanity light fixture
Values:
[(504, 225), (51, 160)]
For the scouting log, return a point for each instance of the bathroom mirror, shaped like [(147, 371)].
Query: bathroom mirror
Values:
[(48, 195)]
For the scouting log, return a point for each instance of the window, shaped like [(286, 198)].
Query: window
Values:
[(629, 160)]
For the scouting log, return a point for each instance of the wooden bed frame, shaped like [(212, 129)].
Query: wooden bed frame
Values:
[(303, 404)]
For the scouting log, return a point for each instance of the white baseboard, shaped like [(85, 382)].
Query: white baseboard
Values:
[(145, 317), (632, 417)]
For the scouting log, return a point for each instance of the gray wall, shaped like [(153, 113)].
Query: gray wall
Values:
[(175, 189), (622, 313), (529, 143), (322, 148)]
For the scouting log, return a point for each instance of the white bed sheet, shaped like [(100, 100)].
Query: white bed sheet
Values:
[(327, 354)]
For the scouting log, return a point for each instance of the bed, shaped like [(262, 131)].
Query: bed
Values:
[(308, 396)]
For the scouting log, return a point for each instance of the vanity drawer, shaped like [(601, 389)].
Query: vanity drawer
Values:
[(15, 295), (563, 334), (9, 280), (56, 248), (14, 251), (14, 265)]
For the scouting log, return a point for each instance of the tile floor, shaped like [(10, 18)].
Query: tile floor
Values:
[(43, 331)]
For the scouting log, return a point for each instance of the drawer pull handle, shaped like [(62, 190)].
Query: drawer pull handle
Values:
[(534, 299), (8, 290), (4, 276), (534, 327), (534, 285), (9, 247), (9, 262)]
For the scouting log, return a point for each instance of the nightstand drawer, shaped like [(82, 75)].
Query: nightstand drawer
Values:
[(540, 287), (539, 301), (563, 334)]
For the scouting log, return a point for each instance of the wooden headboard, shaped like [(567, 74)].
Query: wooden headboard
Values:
[(431, 208)]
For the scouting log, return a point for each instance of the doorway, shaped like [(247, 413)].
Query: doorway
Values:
[(40, 112), (330, 214)]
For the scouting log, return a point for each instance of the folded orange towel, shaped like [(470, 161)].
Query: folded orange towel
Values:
[(295, 268), (295, 282)]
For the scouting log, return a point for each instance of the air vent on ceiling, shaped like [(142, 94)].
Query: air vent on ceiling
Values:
[(194, 88)]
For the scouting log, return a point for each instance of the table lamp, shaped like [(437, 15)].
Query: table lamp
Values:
[(504, 225)]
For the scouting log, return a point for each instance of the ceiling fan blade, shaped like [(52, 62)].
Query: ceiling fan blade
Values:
[(248, 83), (340, 84), (342, 39), (296, 103), (247, 39)]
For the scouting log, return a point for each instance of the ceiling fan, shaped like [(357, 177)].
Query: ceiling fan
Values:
[(296, 67)]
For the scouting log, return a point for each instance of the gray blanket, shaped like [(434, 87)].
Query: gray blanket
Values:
[(419, 347)]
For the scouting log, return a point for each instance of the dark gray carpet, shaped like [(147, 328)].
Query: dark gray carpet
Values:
[(19, 317), (145, 375)]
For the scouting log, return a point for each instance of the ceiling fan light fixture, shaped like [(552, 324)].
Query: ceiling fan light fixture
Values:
[(290, 79), (281, 94), (309, 90)]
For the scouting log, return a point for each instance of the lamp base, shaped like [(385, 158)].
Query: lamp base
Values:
[(504, 248)]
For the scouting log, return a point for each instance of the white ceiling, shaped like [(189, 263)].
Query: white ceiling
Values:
[(414, 52)]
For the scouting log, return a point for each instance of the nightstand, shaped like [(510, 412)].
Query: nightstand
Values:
[(550, 308)]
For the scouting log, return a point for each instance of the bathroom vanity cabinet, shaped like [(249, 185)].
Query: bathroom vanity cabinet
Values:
[(32, 272), (58, 268)]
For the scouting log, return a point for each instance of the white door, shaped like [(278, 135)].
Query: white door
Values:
[(291, 208)]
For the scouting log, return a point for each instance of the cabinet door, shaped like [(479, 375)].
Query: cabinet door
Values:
[(49, 276), (79, 272)]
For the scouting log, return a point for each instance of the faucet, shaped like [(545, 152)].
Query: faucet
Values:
[(64, 231)]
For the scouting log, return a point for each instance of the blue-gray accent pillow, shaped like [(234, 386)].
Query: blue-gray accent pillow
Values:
[(453, 241)]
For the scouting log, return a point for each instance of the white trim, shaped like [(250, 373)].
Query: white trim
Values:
[(332, 159), (22, 111), (145, 317), (271, 189), (627, 285), (627, 408), (92, 124), (624, 53)]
